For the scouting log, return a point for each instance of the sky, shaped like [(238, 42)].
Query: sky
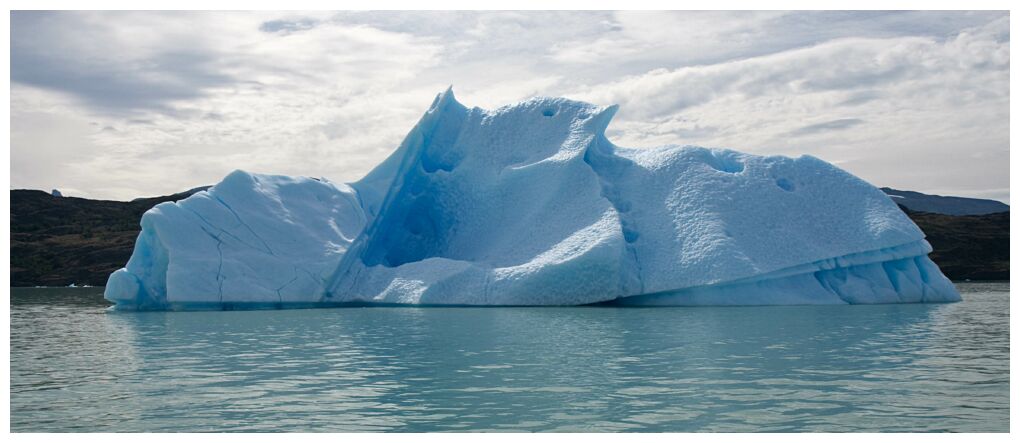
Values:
[(119, 105)]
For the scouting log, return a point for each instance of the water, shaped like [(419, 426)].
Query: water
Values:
[(76, 367)]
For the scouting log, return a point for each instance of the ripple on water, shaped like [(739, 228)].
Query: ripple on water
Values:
[(75, 367)]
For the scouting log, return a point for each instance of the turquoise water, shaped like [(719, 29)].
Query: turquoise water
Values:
[(76, 367)]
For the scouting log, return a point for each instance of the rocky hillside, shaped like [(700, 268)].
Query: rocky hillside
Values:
[(56, 241), (972, 247), (916, 201)]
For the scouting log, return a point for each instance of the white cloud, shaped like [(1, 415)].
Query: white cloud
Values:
[(120, 105), (908, 112)]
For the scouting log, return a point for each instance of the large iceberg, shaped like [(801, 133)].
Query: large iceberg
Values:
[(531, 204)]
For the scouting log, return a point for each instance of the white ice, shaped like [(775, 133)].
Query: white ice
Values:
[(530, 204)]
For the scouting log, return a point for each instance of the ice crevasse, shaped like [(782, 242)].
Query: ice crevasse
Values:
[(531, 204)]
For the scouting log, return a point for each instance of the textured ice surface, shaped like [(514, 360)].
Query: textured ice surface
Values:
[(252, 239), (530, 204)]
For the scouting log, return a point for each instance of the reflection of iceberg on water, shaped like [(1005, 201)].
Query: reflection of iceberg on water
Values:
[(530, 204)]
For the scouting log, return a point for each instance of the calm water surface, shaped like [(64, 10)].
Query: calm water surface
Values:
[(77, 367)]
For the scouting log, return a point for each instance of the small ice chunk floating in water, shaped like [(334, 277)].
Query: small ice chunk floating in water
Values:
[(531, 204)]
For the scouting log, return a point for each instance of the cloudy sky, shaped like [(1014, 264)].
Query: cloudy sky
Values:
[(122, 105)]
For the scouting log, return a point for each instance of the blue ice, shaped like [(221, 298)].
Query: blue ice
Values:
[(531, 204)]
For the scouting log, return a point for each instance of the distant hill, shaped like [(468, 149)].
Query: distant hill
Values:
[(56, 241), (972, 247), (937, 204)]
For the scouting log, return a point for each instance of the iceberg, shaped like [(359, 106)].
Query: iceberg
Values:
[(531, 204)]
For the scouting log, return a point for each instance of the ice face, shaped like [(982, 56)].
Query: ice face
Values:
[(530, 204), (251, 241)]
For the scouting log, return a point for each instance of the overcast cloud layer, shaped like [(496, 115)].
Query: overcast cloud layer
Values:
[(121, 105)]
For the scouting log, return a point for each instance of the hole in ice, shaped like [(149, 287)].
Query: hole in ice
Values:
[(630, 235), (548, 112), (724, 162), (787, 185)]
